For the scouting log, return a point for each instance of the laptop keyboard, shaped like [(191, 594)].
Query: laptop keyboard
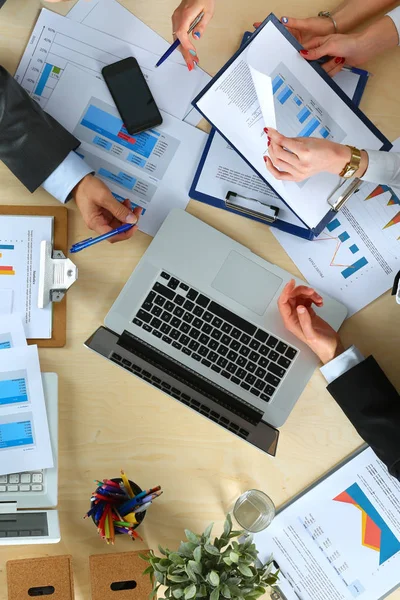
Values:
[(225, 343), (179, 395), (22, 482)]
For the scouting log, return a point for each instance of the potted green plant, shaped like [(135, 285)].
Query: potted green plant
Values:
[(214, 571)]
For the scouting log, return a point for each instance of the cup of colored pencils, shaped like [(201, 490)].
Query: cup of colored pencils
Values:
[(118, 506)]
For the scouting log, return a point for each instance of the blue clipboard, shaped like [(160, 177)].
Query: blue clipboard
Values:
[(310, 233)]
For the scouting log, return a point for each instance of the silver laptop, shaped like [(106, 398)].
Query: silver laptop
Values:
[(21, 494), (198, 319)]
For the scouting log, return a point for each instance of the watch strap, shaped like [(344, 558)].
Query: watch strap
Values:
[(353, 165)]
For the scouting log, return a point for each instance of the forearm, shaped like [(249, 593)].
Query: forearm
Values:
[(351, 13)]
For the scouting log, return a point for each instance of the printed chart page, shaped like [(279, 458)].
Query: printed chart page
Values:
[(357, 256), (296, 100), (12, 333), (24, 433), (153, 169), (111, 17), (341, 540), (56, 42), (20, 239)]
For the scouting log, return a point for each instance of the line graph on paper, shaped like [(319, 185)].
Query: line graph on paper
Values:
[(345, 254)]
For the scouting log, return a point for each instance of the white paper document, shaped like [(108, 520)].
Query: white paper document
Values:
[(20, 238), (357, 256), (341, 539), (57, 42), (153, 169), (111, 17), (270, 84), (12, 333), (24, 433)]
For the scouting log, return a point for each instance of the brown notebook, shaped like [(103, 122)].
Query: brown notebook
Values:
[(60, 214), (122, 573), (49, 577)]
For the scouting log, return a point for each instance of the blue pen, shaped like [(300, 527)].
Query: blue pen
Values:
[(177, 42), (91, 241)]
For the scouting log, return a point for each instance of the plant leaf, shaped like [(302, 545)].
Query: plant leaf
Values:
[(214, 578), (192, 537), (161, 549), (148, 570), (214, 594), (191, 574), (234, 556), (208, 530), (197, 567), (227, 525), (190, 591), (225, 591), (176, 558), (245, 571), (178, 593), (197, 554), (178, 578), (211, 549)]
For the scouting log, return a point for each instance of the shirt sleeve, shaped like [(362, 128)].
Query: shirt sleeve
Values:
[(67, 175), (395, 16), (341, 364), (383, 167)]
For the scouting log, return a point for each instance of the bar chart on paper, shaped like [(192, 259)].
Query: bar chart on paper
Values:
[(298, 114)]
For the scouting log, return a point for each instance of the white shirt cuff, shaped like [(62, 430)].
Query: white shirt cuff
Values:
[(67, 175), (383, 167), (395, 16), (341, 364)]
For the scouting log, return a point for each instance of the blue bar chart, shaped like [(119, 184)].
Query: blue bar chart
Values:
[(13, 391), (14, 434), (298, 114)]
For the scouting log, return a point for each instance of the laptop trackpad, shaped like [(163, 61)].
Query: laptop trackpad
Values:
[(247, 283)]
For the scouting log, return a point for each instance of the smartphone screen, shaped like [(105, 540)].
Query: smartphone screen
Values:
[(132, 95)]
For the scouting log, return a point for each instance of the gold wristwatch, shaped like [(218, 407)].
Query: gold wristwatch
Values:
[(351, 168)]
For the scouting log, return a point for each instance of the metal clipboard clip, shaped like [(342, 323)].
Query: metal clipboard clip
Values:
[(252, 207), (343, 192), (56, 275)]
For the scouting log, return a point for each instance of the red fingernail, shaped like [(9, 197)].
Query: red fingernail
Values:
[(190, 67), (269, 139), (269, 142), (339, 60), (265, 158), (266, 129), (343, 59), (304, 52)]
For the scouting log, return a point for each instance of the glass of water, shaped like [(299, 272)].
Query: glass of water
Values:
[(254, 511)]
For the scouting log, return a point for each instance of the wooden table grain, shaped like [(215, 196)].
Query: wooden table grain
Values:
[(109, 419)]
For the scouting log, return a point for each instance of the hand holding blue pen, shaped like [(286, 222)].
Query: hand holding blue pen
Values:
[(177, 42), (91, 241)]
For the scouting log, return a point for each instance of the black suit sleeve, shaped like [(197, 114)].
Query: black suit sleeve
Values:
[(372, 404), (32, 143)]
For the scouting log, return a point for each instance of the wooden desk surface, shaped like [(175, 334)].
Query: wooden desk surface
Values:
[(201, 468)]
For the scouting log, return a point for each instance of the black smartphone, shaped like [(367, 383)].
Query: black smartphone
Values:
[(132, 95)]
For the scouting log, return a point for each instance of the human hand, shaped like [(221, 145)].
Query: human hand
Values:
[(296, 159), (182, 19), (354, 48), (101, 211), (295, 307), (306, 29)]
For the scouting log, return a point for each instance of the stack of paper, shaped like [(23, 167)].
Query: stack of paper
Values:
[(24, 432), (153, 169)]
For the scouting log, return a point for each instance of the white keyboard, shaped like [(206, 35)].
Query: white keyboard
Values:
[(22, 482)]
